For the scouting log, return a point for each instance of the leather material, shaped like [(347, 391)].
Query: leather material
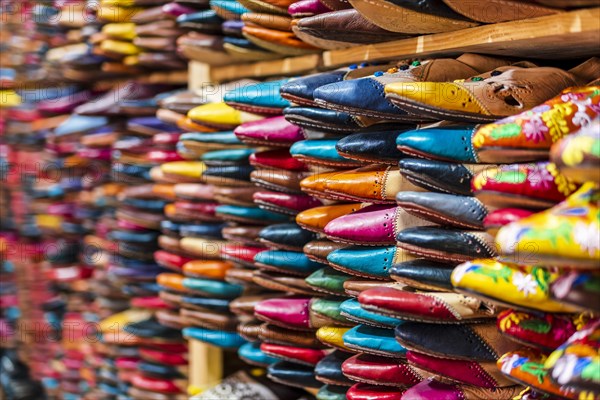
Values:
[(194, 191), (375, 225), (233, 28), (483, 100), (362, 391), (170, 260), (376, 341), (200, 303), (374, 147), (249, 330), (579, 210), (238, 195), (282, 282), (433, 16), (220, 116), (280, 158), (470, 342), (253, 355), (566, 154), (435, 307), (226, 138), (223, 339), (241, 254), (445, 209), (211, 288), (202, 230), (577, 290), (438, 176), (555, 329), (186, 171), (373, 184), (277, 179), (506, 10), (269, 21), (317, 218), (225, 175), (504, 216), (208, 320), (260, 98), (487, 375), (352, 310), (511, 139), (480, 277), (327, 280), (227, 157), (329, 308), (424, 143), (300, 90), (274, 334), (319, 152), (368, 262), (333, 121), (240, 276), (253, 215), (570, 363), (280, 42), (332, 336), (151, 328), (242, 234), (206, 269), (516, 365), (518, 185), (286, 236), (228, 9), (275, 131), (376, 370), (329, 369), (79, 124), (423, 274), (285, 203), (245, 305), (347, 26), (318, 250), (332, 392), (307, 8), (300, 355), (294, 263), (342, 96), (293, 375), (435, 390)]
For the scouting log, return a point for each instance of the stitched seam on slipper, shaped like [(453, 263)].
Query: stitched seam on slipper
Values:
[(470, 116), (485, 344), (446, 304), (427, 184)]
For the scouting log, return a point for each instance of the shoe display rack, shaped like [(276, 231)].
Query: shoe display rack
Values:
[(573, 34), (279, 200)]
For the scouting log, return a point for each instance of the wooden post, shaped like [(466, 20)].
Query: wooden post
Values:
[(205, 366)]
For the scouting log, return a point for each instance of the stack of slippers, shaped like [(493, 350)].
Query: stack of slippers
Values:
[(146, 353), (363, 360), (269, 25), (215, 35), (279, 339), (553, 285), (139, 36), (204, 241)]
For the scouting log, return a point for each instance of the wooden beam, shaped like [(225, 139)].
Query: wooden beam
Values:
[(565, 35), (205, 366), (283, 67)]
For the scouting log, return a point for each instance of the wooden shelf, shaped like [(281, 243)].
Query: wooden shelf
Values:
[(562, 36), (566, 35)]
